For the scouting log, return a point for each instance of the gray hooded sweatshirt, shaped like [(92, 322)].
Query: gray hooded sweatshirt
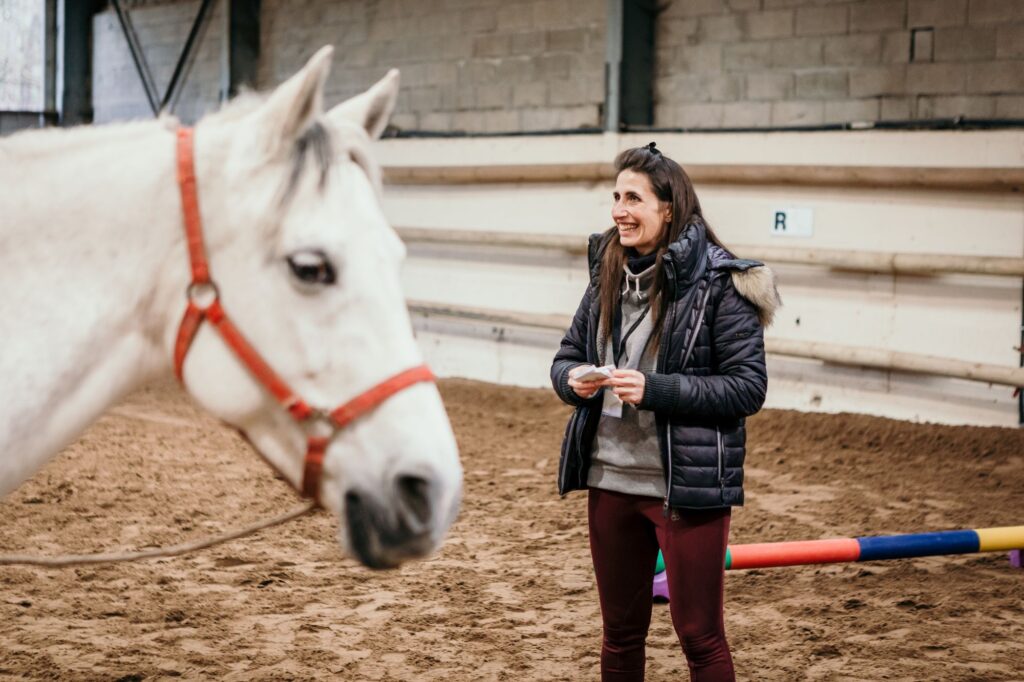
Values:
[(625, 457)]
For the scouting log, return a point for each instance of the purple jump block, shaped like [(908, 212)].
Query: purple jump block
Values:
[(660, 586), (1016, 558)]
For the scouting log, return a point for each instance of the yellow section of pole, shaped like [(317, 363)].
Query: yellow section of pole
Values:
[(1000, 539)]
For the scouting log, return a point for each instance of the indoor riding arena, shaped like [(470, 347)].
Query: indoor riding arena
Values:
[(870, 152)]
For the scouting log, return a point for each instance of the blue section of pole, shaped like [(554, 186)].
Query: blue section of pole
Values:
[(918, 544)]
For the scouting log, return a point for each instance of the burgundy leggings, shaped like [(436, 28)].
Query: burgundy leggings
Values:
[(625, 534)]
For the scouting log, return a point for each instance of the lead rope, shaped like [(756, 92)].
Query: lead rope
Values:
[(174, 550)]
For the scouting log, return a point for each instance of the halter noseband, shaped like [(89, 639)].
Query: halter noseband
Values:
[(197, 312)]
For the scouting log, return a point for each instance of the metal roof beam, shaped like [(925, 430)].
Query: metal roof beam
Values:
[(629, 64), (156, 103), (242, 46)]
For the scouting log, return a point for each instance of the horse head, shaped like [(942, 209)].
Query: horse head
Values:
[(307, 267)]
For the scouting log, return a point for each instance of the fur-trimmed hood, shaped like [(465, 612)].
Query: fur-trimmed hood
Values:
[(752, 279), (757, 285)]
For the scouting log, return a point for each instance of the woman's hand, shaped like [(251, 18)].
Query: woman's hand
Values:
[(586, 389), (628, 385)]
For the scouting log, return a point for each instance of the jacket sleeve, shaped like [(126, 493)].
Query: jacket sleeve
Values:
[(739, 383), (572, 352)]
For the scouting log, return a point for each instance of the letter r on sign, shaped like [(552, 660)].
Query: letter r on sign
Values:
[(780, 222)]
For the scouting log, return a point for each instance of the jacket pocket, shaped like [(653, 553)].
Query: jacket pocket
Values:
[(570, 464)]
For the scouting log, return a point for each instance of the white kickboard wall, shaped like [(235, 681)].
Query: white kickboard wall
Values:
[(967, 317)]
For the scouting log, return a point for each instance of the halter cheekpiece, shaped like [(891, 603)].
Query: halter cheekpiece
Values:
[(204, 306)]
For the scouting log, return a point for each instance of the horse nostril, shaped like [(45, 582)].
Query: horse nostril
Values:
[(360, 528), (385, 530), (414, 496)]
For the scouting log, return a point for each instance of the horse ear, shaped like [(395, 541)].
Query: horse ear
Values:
[(373, 108), (297, 102)]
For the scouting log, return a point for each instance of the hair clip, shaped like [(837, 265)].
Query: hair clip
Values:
[(652, 149)]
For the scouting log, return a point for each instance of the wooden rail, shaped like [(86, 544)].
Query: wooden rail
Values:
[(1000, 179), (861, 261), (895, 360), (876, 358), (567, 243)]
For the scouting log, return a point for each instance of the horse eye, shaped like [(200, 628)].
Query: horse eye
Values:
[(312, 267)]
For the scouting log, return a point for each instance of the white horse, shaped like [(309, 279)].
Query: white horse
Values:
[(94, 269)]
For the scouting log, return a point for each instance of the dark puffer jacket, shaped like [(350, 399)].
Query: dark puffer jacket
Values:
[(710, 370)]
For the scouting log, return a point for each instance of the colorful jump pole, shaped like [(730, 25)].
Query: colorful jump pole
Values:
[(874, 548), (871, 548)]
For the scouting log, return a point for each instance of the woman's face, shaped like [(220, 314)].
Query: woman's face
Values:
[(640, 216)]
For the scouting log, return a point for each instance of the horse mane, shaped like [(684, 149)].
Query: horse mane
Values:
[(238, 107), (318, 141), (34, 142)]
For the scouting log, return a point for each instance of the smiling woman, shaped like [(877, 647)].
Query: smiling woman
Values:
[(654, 202), (639, 215), (660, 444)]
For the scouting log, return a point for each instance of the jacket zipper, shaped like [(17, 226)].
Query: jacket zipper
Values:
[(721, 459), (668, 475), (666, 331), (686, 359)]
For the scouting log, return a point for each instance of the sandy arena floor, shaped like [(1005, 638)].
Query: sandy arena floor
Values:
[(511, 595)]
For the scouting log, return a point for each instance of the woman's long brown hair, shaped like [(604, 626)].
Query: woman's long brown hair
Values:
[(671, 185)]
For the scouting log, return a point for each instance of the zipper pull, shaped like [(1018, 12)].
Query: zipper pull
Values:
[(664, 509)]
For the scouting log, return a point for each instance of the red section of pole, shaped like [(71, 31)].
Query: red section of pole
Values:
[(768, 554)]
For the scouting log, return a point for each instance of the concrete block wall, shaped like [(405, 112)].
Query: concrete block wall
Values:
[(759, 63), (531, 65), (162, 27), (467, 65), (21, 55)]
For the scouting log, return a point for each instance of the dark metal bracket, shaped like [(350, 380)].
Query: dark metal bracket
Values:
[(157, 104), (629, 64)]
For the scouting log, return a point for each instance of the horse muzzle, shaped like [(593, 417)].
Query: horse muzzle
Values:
[(407, 523)]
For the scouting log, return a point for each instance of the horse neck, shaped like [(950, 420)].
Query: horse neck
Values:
[(91, 257)]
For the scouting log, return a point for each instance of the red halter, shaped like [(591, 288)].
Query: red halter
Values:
[(196, 313)]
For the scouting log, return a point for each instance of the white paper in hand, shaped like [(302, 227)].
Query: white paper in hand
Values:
[(591, 373)]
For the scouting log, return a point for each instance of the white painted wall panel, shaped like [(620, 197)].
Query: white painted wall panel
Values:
[(551, 289), (913, 221), (528, 208), (966, 317), (487, 360), (955, 316)]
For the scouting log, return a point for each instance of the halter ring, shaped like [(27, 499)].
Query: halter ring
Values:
[(197, 292), (319, 423)]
